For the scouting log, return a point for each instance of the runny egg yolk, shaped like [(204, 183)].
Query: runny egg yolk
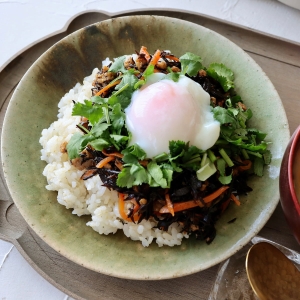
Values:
[(164, 110)]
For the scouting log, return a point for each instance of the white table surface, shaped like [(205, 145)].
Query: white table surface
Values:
[(25, 22)]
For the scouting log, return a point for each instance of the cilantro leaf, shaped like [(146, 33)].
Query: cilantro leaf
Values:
[(133, 174), (137, 151), (235, 99), (98, 129), (258, 166), (118, 118), (98, 100), (224, 116), (124, 98), (118, 65), (225, 179), (128, 78), (259, 134), (251, 147), (129, 158), (175, 166), (239, 133), (243, 117), (233, 111), (120, 139), (93, 112), (125, 178), (77, 143), (133, 153), (157, 174), (222, 74), (99, 144), (191, 153), (167, 174), (190, 63), (140, 174), (174, 76), (267, 157), (176, 148), (161, 157)]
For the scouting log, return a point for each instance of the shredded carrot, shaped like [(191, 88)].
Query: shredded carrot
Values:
[(117, 154), (136, 206), (104, 161), (107, 87), (215, 194), (172, 57), (144, 162), (88, 174), (235, 200), (118, 164), (193, 203), (145, 52), (122, 209), (169, 204), (155, 57), (181, 206), (247, 165)]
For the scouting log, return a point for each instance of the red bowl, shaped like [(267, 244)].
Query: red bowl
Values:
[(288, 197)]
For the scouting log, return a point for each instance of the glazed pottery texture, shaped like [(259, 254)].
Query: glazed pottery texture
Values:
[(288, 198), (34, 107)]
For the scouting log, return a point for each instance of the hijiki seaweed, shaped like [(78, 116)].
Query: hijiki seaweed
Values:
[(195, 204)]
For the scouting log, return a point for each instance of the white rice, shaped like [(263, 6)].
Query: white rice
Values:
[(89, 197)]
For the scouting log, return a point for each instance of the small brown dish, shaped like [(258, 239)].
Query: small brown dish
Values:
[(289, 184)]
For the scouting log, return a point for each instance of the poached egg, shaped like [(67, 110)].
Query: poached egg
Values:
[(164, 110)]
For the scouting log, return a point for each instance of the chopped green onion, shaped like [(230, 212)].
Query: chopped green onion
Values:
[(228, 102), (206, 171), (204, 160), (245, 154), (211, 156), (226, 158)]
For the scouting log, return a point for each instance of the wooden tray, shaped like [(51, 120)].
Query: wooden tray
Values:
[(278, 58)]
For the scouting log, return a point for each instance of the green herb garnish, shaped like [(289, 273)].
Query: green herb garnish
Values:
[(107, 128)]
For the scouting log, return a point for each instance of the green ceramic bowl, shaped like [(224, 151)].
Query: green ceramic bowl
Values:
[(34, 107)]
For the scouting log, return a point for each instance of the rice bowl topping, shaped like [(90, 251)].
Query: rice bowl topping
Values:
[(218, 173)]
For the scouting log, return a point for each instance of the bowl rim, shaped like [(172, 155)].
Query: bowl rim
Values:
[(293, 151)]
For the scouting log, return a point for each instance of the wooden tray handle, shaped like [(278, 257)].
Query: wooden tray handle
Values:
[(12, 224)]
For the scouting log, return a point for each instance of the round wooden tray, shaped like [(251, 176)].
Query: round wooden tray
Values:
[(81, 283)]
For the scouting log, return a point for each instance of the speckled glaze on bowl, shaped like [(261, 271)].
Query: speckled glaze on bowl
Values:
[(34, 107), (288, 198)]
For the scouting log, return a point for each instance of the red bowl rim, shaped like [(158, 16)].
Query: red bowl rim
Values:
[(294, 146)]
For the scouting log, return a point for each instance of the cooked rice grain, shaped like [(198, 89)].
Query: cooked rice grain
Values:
[(90, 197)]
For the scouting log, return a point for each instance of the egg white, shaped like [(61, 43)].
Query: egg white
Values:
[(164, 110)]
